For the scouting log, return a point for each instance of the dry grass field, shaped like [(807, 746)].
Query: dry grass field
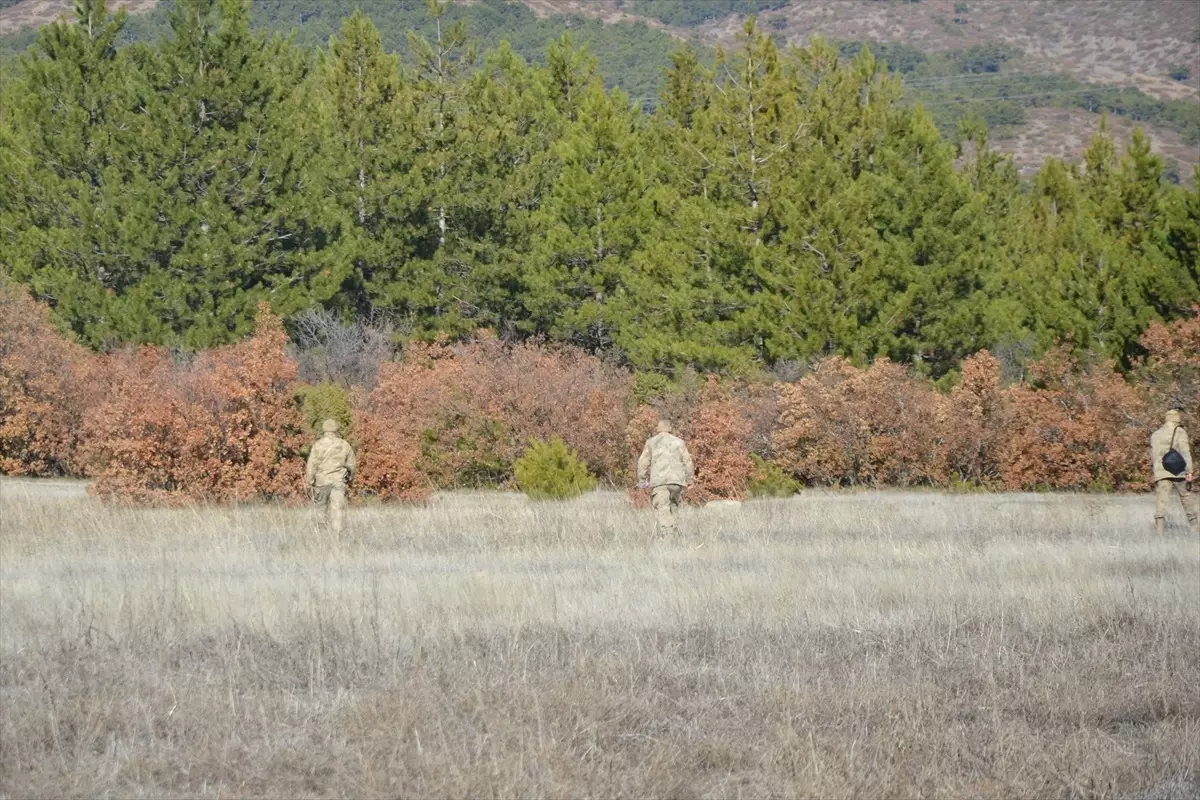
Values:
[(834, 644)]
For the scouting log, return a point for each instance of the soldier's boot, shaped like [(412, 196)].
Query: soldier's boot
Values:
[(1160, 526)]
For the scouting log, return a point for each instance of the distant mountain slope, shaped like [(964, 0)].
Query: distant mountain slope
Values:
[(632, 56), (1107, 42), (1099, 41), (1112, 43), (18, 14)]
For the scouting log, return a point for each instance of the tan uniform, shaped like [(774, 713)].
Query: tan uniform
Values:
[(666, 466), (1165, 484), (331, 465)]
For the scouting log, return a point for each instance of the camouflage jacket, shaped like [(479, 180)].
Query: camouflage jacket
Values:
[(665, 460), (1160, 443), (331, 462)]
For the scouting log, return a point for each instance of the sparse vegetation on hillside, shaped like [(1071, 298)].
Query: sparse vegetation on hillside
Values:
[(632, 56), (985, 81), (689, 13)]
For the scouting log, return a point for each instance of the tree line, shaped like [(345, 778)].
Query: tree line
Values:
[(776, 207)]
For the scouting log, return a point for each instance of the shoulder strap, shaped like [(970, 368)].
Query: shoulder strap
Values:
[(1172, 444)]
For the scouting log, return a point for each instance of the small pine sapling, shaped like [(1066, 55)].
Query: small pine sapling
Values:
[(551, 471)]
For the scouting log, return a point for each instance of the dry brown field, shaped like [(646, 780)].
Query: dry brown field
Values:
[(829, 645)]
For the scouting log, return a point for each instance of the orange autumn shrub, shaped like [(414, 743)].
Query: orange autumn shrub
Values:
[(46, 382), (974, 422), (1076, 426), (257, 428), (719, 427), (878, 426), (1170, 373), (224, 428), (388, 438), (1171, 369), (140, 441), (461, 414), (718, 436)]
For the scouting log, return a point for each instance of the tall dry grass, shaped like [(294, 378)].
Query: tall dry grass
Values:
[(829, 645)]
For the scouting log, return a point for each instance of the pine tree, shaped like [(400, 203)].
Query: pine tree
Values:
[(224, 157), (66, 149), (591, 220), (367, 160), (434, 292)]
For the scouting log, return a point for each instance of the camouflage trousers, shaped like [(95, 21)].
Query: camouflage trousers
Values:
[(665, 502), (331, 498), (1163, 491)]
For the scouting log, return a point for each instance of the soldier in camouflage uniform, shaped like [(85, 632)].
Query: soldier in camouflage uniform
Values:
[(1172, 435), (665, 467), (331, 465)]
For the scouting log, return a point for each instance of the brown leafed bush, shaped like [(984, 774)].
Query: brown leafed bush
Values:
[(461, 414), (973, 422), (227, 426), (46, 382), (1171, 369), (1170, 373), (718, 425), (719, 438), (878, 426), (388, 440), (224, 428), (1076, 426), (142, 440)]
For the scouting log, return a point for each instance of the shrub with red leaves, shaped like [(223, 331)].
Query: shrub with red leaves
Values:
[(974, 422), (878, 426), (226, 428), (46, 382), (1171, 369), (459, 415), (1075, 426), (718, 437)]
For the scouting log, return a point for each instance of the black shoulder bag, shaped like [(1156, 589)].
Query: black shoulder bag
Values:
[(1173, 461)]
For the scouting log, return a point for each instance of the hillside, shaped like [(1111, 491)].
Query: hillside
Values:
[(1075, 46), (16, 15), (1111, 43)]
